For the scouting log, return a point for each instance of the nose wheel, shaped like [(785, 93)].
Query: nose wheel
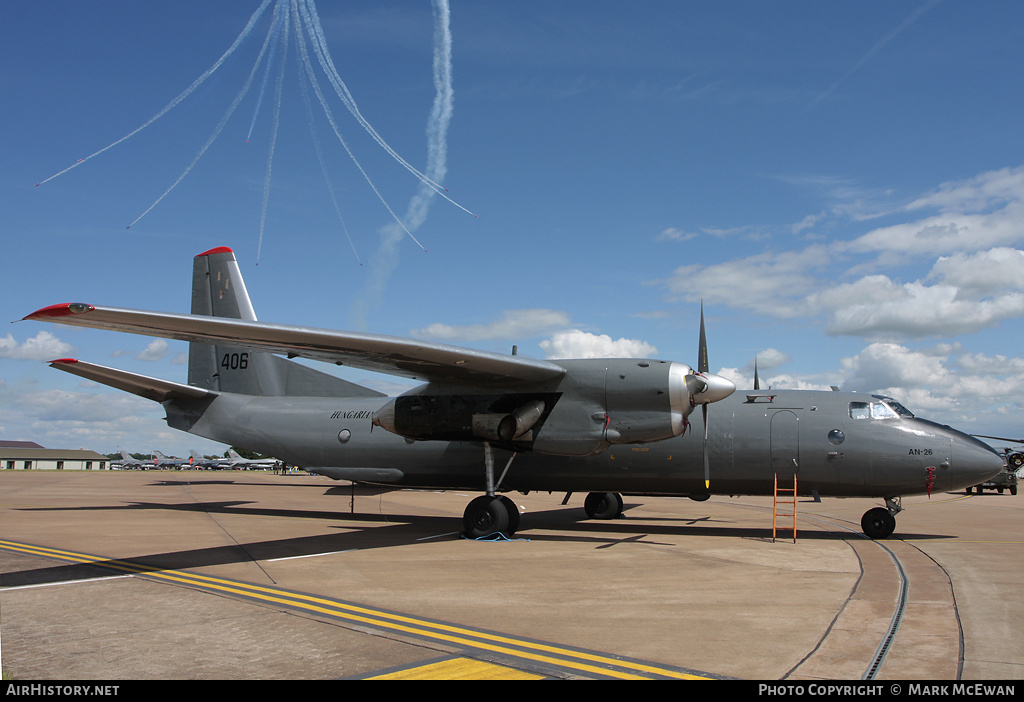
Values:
[(880, 522)]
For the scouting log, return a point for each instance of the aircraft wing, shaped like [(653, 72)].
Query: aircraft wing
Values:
[(144, 386), (410, 358)]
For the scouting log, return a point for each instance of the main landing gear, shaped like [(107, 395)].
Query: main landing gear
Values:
[(880, 522), (491, 514)]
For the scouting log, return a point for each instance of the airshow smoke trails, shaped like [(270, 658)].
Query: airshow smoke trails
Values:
[(276, 27), (188, 91), (302, 66), (213, 137), (437, 149), (278, 90), (302, 15), (337, 132)]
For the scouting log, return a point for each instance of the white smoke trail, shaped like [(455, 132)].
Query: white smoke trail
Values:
[(213, 137), (319, 42), (304, 54), (188, 91), (437, 150), (277, 25), (278, 92), (320, 154)]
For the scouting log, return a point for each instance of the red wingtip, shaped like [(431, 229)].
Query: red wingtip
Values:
[(217, 250), (63, 310), (66, 361)]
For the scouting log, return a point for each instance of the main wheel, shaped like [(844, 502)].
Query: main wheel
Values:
[(513, 514), (878, 523), (484, 516), (603, 505)]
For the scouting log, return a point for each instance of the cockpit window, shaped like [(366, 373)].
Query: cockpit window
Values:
[(899, 409), (887, 409), (895, 406), (880, 410)]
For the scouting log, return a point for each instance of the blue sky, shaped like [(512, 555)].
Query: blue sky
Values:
[(842, 184)]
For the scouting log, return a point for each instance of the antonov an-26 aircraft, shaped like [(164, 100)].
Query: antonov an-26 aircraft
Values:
[(497, 423)]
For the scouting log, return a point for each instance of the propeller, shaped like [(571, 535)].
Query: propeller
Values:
[(704, 388), (704, 367), (757, 383)]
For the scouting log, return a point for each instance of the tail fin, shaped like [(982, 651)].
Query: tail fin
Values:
[(219, 291)]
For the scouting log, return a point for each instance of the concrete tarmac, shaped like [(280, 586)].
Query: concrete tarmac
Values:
[(198, 575)]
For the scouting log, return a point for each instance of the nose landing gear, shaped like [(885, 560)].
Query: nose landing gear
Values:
[(880, 522)]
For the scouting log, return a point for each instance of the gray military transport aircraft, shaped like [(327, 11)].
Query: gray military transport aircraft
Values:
[(609, 427)]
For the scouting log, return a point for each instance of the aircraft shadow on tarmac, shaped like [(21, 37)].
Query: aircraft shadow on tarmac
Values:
[(366, 531)]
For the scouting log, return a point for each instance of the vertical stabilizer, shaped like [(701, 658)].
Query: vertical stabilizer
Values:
[(219, 291)]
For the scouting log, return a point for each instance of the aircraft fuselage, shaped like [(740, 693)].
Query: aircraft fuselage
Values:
[(829, 440)]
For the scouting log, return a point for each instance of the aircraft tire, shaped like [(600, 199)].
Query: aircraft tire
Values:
[(485, 516), (878, 523), (603, 505), (513, 514)]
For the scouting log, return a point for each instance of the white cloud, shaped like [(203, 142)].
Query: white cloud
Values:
[(580, 344), (768, 283), (970, 241), (976, 194), (514, 324), (154, 351), (882, 366), (983, 273), (673, 234), (44, 346)]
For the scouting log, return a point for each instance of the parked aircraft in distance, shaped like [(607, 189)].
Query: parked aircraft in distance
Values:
[(201, 461), (128, 461), (162, 461), (497, 423), (236, 461)]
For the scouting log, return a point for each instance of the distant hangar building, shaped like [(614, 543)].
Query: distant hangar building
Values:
[(27, 455)]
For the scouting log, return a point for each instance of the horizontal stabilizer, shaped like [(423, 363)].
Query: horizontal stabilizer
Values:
[(141, 385)]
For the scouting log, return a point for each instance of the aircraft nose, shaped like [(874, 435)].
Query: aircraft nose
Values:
[(974, 461)]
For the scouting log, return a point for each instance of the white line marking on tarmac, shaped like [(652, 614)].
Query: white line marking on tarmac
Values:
[(311, 555), (64, 582)]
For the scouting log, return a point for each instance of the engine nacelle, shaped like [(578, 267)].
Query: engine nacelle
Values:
[(647, 400), (598, 403)]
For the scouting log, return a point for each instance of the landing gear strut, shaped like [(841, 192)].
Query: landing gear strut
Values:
[(491, 514), (880, 522)]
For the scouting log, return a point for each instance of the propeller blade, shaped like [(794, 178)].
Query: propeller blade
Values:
[(707, 465), (999, 438), (702, 352), (757, 383), (704, 366)]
